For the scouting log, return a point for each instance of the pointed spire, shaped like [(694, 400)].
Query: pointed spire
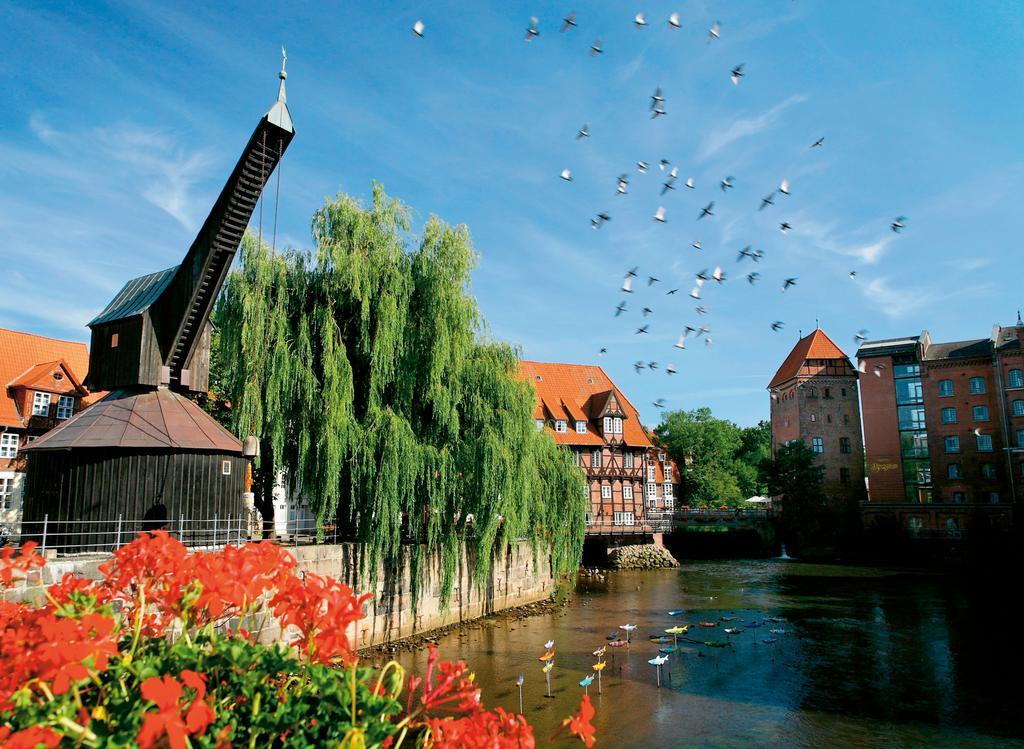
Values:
[(279, 114), (281, 95)]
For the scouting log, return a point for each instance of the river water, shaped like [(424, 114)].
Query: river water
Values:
[(870, 657)]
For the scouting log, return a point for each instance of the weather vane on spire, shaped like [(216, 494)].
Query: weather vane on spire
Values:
[(282, 75)]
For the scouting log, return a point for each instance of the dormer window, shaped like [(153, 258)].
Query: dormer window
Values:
[(41, 404), (561, 426), (581, 427), (617, 424), (65, 407), (608, 425)]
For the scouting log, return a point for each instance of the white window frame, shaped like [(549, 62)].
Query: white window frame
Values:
[(652, 490), (666, 491), (669, 501), (624, 518), (9, 445), (668, 472), (6, 494), (40, 404), (650, 473), (627, 459), (617, 424), (608, 426), (561, 426), (650, 503), (627, 491), (817, 445), (595, 458), (606, 491), (588, 518), (65, 407), (581, 426), (1016, 378)]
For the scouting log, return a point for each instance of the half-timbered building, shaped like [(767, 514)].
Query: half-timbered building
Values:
[(583, 409)]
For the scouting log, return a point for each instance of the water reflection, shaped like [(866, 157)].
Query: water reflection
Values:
[(871, 657)]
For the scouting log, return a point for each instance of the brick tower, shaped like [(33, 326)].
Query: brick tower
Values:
[(814, 399)]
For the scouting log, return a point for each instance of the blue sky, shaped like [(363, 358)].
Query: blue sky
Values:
[(122, 120)]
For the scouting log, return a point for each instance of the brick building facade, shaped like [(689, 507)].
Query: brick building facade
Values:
[(41, 388), (944, 427), (583, 410), (814, 398)]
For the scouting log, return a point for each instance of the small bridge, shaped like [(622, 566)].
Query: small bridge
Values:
[(698, 532)]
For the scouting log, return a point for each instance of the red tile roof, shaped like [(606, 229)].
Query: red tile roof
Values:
[(573, 387), (816, 345), (26, 359)]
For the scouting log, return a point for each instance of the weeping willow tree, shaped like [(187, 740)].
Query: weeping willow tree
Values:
[(368, 372)]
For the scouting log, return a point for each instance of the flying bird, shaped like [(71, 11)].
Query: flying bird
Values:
[(659, 215), (853, 274), (642, 330), (632, 271), (567, 175), (627, 284), (569, 21), (695, 292), (700, 309), (787, 283), (583, 132), (417, 29), (785, 226), (620, 308), (660, 403), (696, 245), (784, 187), (778, 325), (753, 278), (663, 163), (637, 366), (670, 292), (702, 276), (681, 343), (657, 98), (602, 352), (532, 32), (819, 142), (651, 280), (673, 21), (690, 183), (670, 369), (718, 275), (713, 31), (652, 365), (736, 74), (702, 330), (668, 184), (659, 111), (860, 336), (640, 20), (767, 201), (706, 210), (898, 223), (599, 220), (647, 311), (641, 167), (621, 184), (726, 183), (745, 252), (595, 48)]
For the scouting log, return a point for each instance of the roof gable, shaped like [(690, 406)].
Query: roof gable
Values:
[(580, 389), (135, 297), (51, 377), (21, 357), (816, 345)]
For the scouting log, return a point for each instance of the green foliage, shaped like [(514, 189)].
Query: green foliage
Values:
[(797, 479), (719, 459), (366, 368)]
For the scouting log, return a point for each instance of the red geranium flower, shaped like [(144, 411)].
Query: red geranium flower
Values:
[(580, 725)]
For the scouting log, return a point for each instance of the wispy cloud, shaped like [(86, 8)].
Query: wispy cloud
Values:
[(716, 141), (897, 302), (162, 171)]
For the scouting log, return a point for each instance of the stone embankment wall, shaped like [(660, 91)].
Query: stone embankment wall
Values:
[(641, 557), (514, 580)]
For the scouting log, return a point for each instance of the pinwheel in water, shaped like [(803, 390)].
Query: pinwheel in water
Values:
[(676, 612), (547, 656), (601, 651), (777, 631), (549, 644), (628, 629), (547, 675), (519, 683), (733, 631), (668, 649), (598, 668)]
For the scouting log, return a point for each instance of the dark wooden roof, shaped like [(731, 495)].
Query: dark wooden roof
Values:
[(135, 297), (154, 420)]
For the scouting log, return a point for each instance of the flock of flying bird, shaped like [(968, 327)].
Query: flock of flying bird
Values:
[(671, 175)]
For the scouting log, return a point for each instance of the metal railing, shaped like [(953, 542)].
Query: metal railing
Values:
[(76, 537)]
